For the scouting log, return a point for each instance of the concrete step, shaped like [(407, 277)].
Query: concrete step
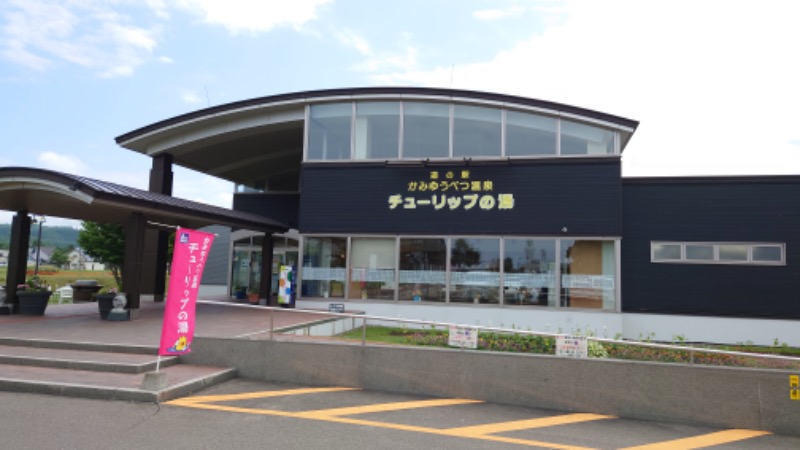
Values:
[(100, 371), (100, 361)]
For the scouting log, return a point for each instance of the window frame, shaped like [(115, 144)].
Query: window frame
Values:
[(716, 253)]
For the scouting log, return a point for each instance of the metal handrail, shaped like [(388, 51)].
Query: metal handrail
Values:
[(692, 350)]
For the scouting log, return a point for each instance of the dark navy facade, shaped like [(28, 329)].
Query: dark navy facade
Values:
[(722, 209)]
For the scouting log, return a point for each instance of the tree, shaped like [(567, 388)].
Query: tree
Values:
[(60, 257), (464, 255), (105, 242)]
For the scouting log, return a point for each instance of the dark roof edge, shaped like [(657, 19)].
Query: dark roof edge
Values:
[(713, 179), (309, 95), (118, 193)]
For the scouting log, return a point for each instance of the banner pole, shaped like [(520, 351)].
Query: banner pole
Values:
[(158, 362)]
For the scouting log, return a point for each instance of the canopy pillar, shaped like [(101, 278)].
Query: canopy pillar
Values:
[(156, 244), (134, 259), (17, 254)]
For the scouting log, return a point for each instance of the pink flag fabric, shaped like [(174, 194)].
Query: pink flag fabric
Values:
[(188, 260)]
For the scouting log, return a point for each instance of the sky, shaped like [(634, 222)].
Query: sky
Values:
[(715, 85)]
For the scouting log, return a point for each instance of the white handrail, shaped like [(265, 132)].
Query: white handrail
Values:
[(692, 350)]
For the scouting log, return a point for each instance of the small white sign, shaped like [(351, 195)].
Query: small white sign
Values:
[(464, 337), (572, 346)]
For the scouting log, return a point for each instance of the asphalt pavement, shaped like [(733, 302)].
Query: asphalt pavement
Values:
[(246, 414)]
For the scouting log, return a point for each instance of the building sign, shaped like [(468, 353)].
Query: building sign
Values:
[(451, 190), (572, 346), (522, 198), (464, 337)]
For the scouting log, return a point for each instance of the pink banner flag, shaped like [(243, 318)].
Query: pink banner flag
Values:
[(188, 260)]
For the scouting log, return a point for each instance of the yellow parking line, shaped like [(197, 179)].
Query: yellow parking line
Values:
[(500, 427), (254, 395), (384, 407), (705, 440), (393, 426)]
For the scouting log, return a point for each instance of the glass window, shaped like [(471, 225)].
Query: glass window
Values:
[(426, 130), (476, 131), (699, 252), (372, 268), (580, 139), (530, 272), (324, 261), (423, 269), (588, 274), (732, 252), (329, 131), (529, 134), (767, 253), (475, 270), (377, 130), (666, 252)]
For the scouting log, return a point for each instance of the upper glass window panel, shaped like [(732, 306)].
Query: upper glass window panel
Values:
[(695, 252), (666, 251), (426, 130), (732, 252), (529, 134), (476, 131), (377, 130), (329, 131), (580, 139), (767, 253)]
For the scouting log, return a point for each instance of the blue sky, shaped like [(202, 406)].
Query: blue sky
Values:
[(713, 83)]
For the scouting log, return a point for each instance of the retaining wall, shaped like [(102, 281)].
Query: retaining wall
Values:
[(712, 396)]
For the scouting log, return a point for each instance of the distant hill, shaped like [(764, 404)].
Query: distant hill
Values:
[(51, 236)]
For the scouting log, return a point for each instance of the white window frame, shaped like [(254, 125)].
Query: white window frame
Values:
[(716, 259)]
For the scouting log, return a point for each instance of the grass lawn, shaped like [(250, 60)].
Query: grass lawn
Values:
[(59, 277)]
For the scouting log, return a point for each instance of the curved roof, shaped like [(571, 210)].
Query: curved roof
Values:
[(343, 93), (51, 193), (262, 138)]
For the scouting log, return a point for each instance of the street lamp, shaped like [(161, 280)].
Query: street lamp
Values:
[(40, 220)]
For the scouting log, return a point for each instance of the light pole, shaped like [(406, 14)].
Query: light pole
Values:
[(41, 220)]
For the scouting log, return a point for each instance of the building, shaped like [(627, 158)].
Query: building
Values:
[(474, 207), (79, 260)]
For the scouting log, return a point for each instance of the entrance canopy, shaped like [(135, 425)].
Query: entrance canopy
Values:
[(50, 193)]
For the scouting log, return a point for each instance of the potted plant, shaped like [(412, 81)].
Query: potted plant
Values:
[(105, 301), (33, 297), (252, 296)]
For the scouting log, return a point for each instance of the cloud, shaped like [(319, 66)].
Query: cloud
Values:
[(494, 14), (165, 59), (712, 98), (39, 34), (61, 163), (254, 16), (191, 98), (351, 39)]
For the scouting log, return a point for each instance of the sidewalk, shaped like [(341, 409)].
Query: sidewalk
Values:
[(80, 322)]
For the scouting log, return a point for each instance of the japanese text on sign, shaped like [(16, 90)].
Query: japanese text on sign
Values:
[(449, 192), (188, 260), (572, 346), (464, 337)]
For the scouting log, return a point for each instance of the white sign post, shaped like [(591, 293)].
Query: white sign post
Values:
[(572, 346), (464, 337)]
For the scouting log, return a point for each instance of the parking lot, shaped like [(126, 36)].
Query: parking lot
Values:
[(464, 422)]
